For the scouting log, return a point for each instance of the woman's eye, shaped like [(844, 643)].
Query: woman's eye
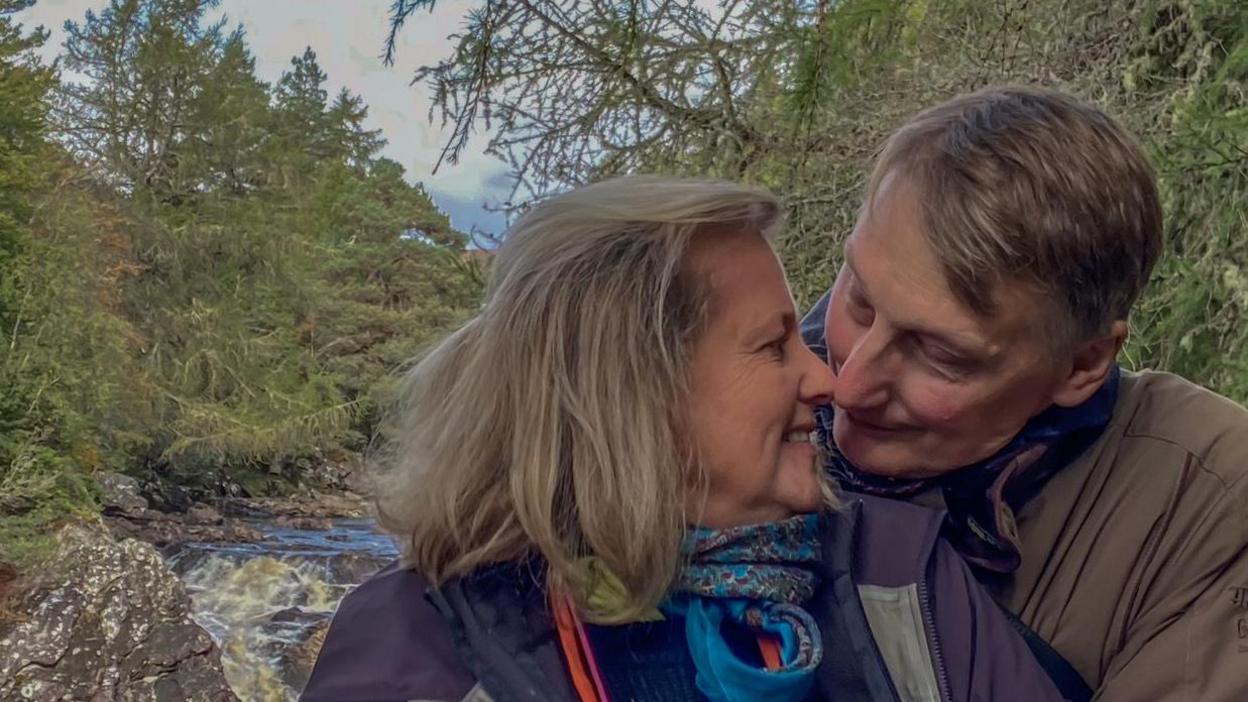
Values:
[(776, 348)]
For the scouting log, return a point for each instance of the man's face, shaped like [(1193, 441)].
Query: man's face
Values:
[(926, 385)]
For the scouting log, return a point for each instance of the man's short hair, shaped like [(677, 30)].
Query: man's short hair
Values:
[(1031, 184)]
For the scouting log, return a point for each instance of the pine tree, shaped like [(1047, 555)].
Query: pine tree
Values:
[(201, 275), (23, 88), (133, 119), (303, 131), (24, 85), (43, 430), (234, 122), (799, 96), (350, 139)]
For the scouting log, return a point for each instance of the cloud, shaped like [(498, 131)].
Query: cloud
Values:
[(468, 215)]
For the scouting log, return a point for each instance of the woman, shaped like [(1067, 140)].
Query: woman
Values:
[(606, 490)]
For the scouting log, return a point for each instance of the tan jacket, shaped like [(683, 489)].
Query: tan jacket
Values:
[(1135, 557)]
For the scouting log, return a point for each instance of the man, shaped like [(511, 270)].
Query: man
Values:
[(975, 325)]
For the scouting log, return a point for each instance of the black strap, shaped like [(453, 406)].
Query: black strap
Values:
[(1060, 671)]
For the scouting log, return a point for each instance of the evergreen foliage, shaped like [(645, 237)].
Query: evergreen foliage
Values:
[(204, 279), (798, 95), (210, 280)]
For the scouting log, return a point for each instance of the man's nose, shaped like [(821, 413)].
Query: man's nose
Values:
[(864, 376), (818, 381)]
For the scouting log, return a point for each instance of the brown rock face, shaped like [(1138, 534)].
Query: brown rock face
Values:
[(297, 663), (107, 620), (313, 505), (203, 514), (168, 531)]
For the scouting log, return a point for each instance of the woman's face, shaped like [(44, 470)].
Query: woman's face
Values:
[(754, 385)]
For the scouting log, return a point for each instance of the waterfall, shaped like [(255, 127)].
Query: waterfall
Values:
[(268, 604)]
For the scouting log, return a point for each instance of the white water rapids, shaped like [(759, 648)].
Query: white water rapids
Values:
[(267, 604)]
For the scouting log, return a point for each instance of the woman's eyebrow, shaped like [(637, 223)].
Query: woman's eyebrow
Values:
[(772, 328)]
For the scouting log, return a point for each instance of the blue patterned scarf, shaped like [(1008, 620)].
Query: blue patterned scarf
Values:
[(757, 577)]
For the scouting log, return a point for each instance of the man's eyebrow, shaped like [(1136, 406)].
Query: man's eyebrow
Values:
[(953, 343), (956, 343), (961, 344), (848, 255)]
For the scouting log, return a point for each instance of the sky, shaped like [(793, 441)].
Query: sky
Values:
[(348, 37)]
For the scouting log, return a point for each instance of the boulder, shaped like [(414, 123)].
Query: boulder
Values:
[(168, 496), (298, 660), (237, 532), (106, 620), (120, 493), (203, 514), (354, 567)]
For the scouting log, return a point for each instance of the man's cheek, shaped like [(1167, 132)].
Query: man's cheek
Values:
[(937, 407), (841, 336)]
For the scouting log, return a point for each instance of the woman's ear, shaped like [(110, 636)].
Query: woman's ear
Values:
[(1090, 365)]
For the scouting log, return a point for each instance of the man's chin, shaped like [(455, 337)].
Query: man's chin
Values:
[(866, 454), (886, 463), (884, 471)]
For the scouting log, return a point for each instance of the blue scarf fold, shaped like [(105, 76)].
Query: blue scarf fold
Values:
[(757, 577)]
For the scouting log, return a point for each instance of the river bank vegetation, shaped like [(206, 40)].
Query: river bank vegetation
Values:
[(206, 279)]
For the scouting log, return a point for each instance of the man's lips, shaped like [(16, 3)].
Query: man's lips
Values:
[(860, 423)]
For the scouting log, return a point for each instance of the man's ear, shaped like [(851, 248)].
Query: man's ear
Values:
[(1090, 365)]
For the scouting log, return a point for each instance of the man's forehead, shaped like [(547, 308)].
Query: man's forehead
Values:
[(901, 277)]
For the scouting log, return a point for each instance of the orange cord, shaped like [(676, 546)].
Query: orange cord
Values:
[(578, 668), (770, 648)]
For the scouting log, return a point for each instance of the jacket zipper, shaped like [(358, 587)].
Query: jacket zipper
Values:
[(929, 621)]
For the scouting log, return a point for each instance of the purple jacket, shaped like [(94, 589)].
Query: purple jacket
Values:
[(902, 619)]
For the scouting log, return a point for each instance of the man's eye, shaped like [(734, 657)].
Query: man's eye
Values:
[(861, 310), (942, 356), (949, 362)]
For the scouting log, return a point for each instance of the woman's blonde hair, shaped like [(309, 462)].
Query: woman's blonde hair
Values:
[(552, 423)]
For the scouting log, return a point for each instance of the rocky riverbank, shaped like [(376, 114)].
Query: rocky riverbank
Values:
[(223, 601), (128, 515), (103, 620)]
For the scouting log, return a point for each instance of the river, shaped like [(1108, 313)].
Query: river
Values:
[(267, 603)]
